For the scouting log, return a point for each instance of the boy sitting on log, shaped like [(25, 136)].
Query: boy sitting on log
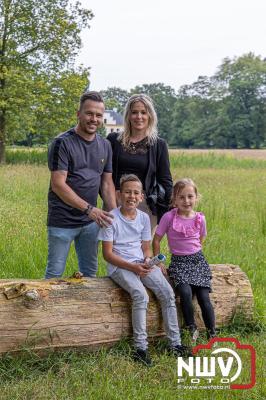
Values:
[(126, 248)]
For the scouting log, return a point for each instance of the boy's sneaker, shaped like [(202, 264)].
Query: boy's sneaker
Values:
[(181, 351), (143, 357), (211, 334)]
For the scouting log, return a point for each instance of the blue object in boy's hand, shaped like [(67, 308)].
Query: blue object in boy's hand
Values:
[(160, 258)]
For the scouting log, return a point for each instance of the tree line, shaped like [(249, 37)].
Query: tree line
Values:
[(40, 85), (226, 110)]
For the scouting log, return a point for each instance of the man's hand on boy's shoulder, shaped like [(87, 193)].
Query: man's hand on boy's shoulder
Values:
[(101, 217), (142, 269)]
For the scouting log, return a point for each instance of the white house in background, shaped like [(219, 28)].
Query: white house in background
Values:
[(113, 121)]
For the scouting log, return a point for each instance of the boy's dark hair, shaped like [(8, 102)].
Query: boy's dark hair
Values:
[(129, 178), (90, 95)]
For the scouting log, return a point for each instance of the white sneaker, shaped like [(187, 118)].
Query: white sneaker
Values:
[(195, 335)]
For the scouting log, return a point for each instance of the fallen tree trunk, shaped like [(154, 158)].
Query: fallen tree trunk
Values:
[(71, 313)]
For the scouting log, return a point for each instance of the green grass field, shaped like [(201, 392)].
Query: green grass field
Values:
[(233, 200)]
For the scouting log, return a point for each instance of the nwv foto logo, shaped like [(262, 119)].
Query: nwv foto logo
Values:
[(224, 362)]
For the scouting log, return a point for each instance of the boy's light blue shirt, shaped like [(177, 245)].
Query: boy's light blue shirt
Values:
[(126, 236)]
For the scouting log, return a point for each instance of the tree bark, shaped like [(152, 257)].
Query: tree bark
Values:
[(77, 313), (2, 133), (2, 152)]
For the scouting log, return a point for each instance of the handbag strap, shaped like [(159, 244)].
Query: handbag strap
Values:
[(157, 161)]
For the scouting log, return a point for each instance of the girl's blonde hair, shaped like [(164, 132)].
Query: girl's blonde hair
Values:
[(152, 131), (179, 186)]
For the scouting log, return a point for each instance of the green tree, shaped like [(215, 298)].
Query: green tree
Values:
[(45, 105), (242, 86), (193, 114), (115, 97), (227, 110), (61, 93), (36, 39)]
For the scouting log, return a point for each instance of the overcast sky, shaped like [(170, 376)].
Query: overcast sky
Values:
[(134, 42)]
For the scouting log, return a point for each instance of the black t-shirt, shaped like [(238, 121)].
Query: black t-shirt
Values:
[(136, 164), (84, 162)]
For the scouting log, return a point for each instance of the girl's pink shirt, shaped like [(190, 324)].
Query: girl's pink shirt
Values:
[(183, 234)]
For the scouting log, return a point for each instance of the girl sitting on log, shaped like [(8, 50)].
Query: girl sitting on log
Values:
[(189, 271), (126, 248)]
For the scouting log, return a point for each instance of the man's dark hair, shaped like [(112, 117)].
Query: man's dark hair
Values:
[(90, 95)]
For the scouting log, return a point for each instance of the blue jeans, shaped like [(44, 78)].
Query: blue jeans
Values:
[(155, 281), (86, 245)]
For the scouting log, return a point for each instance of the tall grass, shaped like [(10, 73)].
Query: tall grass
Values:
[(108, 375), (38, 155), (212, 160), (233, 202), (26, 155), (105, 375)]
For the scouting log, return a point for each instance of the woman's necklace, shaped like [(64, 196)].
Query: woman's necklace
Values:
[(133, 146), (139, 147)]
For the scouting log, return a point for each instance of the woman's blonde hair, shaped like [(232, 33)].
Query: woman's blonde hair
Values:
[(152, 131), (179, 186)]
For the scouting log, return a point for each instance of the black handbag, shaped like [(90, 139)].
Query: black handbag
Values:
[(157, 196)]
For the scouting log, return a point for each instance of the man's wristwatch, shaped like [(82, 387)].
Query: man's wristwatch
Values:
[(88, 210)]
